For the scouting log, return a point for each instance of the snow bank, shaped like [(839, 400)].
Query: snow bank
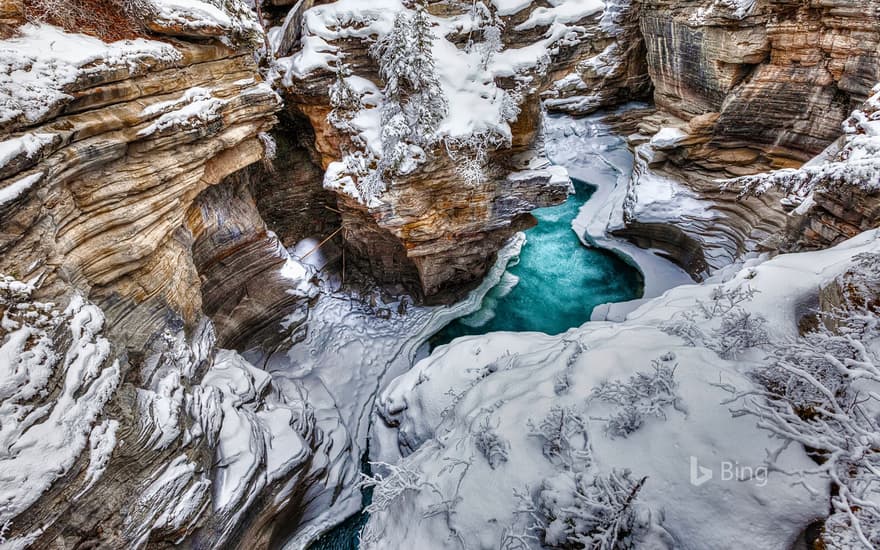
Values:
[(56, 375), (349, 354), (18, 187), (505, 427), (231, 20), (258, 442), (195, 108), (260, 429), (38, 66)]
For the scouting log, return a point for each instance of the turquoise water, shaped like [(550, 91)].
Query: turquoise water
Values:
[(342, 537), (554, 287), (346, 535), (557, 282)]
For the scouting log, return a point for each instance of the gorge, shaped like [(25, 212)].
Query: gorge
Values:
[(536, 263)]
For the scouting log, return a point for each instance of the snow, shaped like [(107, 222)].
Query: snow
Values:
[(653, 197), (231, 19), (175, 497), (255, 434), (590, 153), (257, 427), (479, 110), (18, 187), (43, 62), (191, 13), (45, 430), (27, 146), (349, 354), (510, 381), (667, 138), (511, 7), (854, 160), (195, 108), (561, 12), (102, 441)]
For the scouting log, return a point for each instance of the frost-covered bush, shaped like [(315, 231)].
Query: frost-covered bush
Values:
[(822, 391), (579, 510), (642, 395), (471, 155), (737, 331), (108, 19), (491, 445), (562, 383), (388, 487), (740, 330), (563, 435)]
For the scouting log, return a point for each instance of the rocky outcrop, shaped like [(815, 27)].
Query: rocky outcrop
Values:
[(609, 68), (740, 88), (131, 249), (247, 280), (777, 78), (838, 213), (436, 232)]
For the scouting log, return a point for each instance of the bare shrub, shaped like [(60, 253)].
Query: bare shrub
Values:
[(644, 394), (107, 19)]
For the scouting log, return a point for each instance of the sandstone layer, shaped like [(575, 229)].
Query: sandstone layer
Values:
[(128, 229)]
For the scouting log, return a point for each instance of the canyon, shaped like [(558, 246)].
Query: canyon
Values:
[(202, 311)]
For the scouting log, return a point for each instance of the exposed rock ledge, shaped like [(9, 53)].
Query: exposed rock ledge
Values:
[(120, 238)]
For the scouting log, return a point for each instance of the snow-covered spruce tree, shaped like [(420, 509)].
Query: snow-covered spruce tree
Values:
[(428, 105), (344, 100), (414, 103), (489, 25)]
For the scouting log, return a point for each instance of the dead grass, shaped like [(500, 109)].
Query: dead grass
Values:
[(108, 20)]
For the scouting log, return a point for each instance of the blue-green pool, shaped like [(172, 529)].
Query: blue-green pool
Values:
[(557, 282), (554, 287)]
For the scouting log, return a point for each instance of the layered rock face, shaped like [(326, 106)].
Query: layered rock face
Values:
[(131, 249), (609, 68), (775, 78), (739, 88), (435, 230)]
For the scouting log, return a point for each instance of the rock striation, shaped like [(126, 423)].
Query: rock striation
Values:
[(741, 88), (435, 231), (134, 261)]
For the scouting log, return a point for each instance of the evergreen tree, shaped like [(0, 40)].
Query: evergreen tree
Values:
[(428, 106), (414, 102), (346, 102)]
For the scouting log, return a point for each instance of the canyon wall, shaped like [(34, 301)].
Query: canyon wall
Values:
[(133, 260), (143, 243), (741, 88), (436, 231)]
